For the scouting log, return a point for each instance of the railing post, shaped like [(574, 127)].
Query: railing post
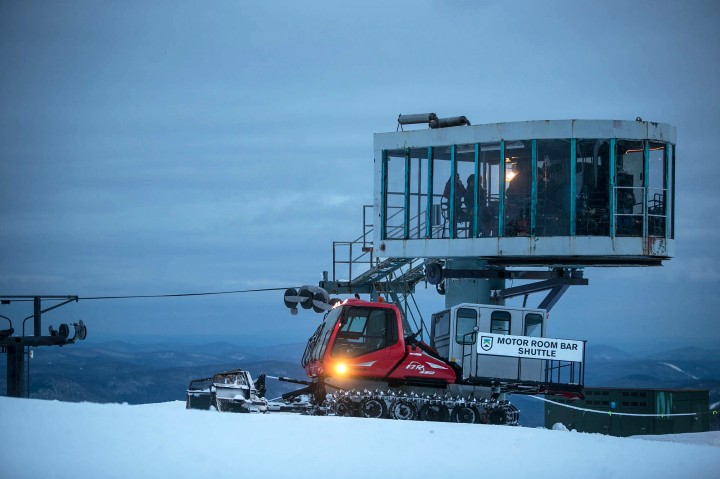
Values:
[(334, 260), (429, 204)]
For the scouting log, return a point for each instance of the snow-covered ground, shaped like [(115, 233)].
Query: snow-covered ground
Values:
[(43, 439)]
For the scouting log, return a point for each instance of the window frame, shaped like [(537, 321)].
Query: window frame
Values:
[(499, 315), (458, 317)]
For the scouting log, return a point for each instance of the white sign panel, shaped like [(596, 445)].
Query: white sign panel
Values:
[(530, 347)]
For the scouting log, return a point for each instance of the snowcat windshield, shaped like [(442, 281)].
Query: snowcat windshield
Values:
[(364, 330), (319, 341)]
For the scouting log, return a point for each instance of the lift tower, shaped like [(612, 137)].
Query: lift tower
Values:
[(16, 345)]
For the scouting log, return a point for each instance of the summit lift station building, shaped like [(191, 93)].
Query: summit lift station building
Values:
[(484, 200), (467, 207), (565, 194)]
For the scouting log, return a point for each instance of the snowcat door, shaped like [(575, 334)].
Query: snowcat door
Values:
[(440, 333), (466, 334)]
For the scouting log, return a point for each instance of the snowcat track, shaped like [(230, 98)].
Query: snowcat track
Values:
[(403, 406)]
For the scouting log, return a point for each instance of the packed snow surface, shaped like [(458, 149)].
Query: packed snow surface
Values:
[(46, 439)]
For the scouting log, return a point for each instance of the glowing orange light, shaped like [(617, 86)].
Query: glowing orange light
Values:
[(341, 368)]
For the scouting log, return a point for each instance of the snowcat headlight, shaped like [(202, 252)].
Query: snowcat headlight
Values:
[(341, 368)]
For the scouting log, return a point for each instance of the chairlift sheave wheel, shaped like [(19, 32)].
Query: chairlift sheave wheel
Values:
[(434, 274)]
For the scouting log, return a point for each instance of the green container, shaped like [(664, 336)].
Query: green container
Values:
[(661, 403)]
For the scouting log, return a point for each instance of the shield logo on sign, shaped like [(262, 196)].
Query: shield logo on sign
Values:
[(486, 343)]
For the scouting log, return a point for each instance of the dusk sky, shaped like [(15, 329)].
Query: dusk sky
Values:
[(172, 147)]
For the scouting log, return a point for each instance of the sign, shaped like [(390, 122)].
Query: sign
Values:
[(531, 347)]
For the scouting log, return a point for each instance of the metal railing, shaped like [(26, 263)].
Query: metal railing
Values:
[(359, 250), (398, 276), (640, 211)]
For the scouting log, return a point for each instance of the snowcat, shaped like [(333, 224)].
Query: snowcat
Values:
[(365, 355), (364, 360)]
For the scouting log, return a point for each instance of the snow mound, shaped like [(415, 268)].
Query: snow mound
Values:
[(85, 440), (558, 426)]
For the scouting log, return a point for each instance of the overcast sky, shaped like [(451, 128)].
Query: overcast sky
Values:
[(171, 147)]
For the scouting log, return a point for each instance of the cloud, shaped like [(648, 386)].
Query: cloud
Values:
[(158, 148)]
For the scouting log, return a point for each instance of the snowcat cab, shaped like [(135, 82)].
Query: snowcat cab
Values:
[(361, 343)]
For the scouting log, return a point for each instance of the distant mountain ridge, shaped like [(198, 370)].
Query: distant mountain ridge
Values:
[(117, 371)]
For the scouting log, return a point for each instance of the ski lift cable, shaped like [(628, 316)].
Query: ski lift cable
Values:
[(181, 295)]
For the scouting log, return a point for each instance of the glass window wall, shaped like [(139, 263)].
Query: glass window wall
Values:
[(629, 190), (657, 189), (489, 189), (417, 200), (440, 184), (543, 192), (465, 193), (395, 195), (553, 188), (592, 191), (518, 181)]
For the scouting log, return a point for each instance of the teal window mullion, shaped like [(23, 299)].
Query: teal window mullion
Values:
[(383, 195), (646, 185), (673, 160), (668, 193), (501, 191), (613, 154), (406, 205), (429, 210), (476, 187), (451, 200), (533, 188), (573, 173)]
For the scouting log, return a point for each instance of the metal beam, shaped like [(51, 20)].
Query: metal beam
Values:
[(539, 286), (505, 274), (553, 297)]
